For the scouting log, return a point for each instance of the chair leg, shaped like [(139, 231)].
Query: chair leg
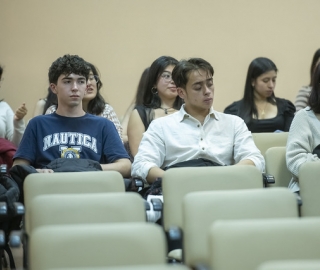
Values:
[(11, 260), (3, 259)]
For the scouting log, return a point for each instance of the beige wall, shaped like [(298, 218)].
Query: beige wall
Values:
[(122, 37)]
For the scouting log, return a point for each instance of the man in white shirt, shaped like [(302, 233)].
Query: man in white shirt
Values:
[(196, 131)]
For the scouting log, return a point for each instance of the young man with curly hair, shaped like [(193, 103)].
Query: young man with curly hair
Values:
[(70, 132)]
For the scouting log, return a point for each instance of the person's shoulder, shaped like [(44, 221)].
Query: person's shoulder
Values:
[(286, 104), (283, 100), (108, 107), (139, 107), (41, 119), (41, 101), (51, 109), (45, 117), (168, 121), (305, 88), (303, 114), (233, 108), (227, 116), (95, 118), (4, 104)]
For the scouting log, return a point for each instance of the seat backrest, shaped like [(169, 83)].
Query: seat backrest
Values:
[(246, 244), (97, 245), (266, 140), (178, 182), (309, 183), (201, 209), (291, 265), (276, 165), (59, 209), (135, 267), (70, 182)]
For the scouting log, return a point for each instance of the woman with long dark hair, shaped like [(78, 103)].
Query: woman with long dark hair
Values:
[(138, 100), (93, 102), (303, 143), (160, 98), (261, 110), (304, 93)]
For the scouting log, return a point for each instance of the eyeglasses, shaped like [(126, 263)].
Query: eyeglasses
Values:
[(93, 78), (166, 76)]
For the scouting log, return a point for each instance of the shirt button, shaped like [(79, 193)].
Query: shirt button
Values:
[(202, 148), (198, 125), (201, 139)]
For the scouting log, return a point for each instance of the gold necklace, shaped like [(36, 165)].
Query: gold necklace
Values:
[(263, 110)]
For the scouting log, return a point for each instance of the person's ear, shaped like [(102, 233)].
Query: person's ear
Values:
[(53, 88), (253, 83), (181, 92)]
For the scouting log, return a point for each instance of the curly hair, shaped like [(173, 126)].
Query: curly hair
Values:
[(68, 64)]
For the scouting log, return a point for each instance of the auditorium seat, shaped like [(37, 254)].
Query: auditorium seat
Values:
[(201, 209)]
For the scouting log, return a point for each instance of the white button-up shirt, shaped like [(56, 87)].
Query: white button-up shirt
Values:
[(178, 137)]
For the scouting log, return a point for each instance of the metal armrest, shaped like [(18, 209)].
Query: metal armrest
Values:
[(174, 234), (299, 201), (174, 241), (268, 179), (139, 183), (147, 205), (3, 208), (157, 204), (15, 238), (18, 208), (2, 239)]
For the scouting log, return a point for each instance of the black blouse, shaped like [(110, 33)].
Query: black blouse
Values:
[(282, 121)]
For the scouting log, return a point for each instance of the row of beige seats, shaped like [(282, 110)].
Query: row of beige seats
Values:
[(143, 245), (273, 147), (215, 178), (233, 244), (176, 183), (240, 181), (61, 205), (246, 244)]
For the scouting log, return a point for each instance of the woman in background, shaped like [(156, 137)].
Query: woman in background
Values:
[(304, 93), (93, 102), (44, 103), (259, 108), (138, 100), (11, 124), (160, 99), (304, 134)]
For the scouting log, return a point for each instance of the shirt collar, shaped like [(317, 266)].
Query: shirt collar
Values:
[(183, 114)]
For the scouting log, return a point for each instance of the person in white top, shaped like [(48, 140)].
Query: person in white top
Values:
[(11, 124), (196, 131), (304, 134)]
